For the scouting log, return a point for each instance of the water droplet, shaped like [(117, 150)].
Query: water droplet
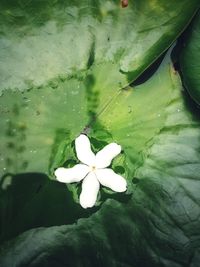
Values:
[(178, 110), (4, 169), (26, 99), (159, 115), (6, 182), (74, 92), (129, 109)]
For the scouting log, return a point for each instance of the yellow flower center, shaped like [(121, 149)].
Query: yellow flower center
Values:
[(93, 168)]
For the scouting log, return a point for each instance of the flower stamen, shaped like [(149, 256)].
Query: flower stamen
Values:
[(93, 168)]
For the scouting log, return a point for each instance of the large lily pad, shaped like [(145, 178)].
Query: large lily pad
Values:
[(70, 59), (158, 225), (135, 127), (42, 40)]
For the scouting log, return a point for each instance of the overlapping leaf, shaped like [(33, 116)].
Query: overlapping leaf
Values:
[(65, 65), (158, 225), (190, 59), (42, 40), (73, 57)]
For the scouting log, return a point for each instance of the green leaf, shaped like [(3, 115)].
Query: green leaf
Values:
[(142, 114), (29, 201), (190, 60), (158, 225), (42, 40), (63, 64), (37, 126), (63, 73)]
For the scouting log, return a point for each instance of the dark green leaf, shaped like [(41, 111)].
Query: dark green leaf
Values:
[(71, 59), (41, 40), (158, 225), (190, 60)]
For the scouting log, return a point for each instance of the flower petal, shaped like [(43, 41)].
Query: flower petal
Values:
[(106, 155), (83, 150), (109, 178), (71, 175), (90, 189)]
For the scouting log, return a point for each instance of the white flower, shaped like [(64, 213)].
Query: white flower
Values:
[(92, 170)]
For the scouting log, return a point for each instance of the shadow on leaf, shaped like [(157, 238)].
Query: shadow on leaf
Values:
[(32, 200)]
